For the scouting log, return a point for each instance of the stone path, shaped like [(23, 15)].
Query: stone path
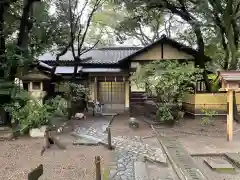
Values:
[(129, 153), (124, 144), (122, 167)]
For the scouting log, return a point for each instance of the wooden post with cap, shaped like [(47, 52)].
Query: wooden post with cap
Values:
[(230, 116), (230, 81), (98, 167)]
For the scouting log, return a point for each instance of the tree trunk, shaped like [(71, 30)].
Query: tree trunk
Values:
[(2, 41), (200, 60), (22, 41)]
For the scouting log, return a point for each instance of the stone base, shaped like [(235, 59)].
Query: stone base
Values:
[(219, 165), (37, 132), (140, 170)]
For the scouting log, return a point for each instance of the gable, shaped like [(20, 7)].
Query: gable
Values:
[(159, 52)]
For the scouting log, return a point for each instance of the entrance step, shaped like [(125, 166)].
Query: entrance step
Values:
[(6, 133), (220, 165), (140, 171), (234, 158), (157, 171)]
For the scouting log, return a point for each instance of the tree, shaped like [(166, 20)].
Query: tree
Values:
[(125, 24), (77, 17), (225, 16), (182, 9), (167, 81)]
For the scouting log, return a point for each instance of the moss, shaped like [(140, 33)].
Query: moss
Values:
[(106, 173)]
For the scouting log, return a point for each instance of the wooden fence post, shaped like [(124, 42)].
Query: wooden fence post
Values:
[(98, 167), (36, 173), (109, 138)]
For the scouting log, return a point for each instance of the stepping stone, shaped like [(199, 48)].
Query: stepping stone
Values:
[(140, 171), (219, 165), (109, 114), (85, 142), (234, 158)]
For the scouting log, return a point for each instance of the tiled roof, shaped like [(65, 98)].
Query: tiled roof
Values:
[(108, 55), (230, 75), (114, 55)]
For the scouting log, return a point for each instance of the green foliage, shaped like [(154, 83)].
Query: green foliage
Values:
[(76, 96), (32, 114), (57, 106), (208, 116), (214, 82), (106, 173), (167, 81), (76, 92)]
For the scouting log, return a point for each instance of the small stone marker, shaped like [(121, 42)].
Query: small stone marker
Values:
[(140, 171), (133, 123), (219, 165)]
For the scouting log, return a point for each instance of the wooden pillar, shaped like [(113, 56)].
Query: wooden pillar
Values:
[(230, 116), (127, 92), (98, 167), (95, 88)]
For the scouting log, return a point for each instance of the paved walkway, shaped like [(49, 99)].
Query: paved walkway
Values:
[(127, 151)]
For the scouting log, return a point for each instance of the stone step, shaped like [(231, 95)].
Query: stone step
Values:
[(140, 171), (5, 128), (6, 134), (157, 171), (219, 165), (234, 158)]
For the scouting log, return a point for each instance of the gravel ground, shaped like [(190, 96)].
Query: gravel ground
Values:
[(76, 162), (18, 158)]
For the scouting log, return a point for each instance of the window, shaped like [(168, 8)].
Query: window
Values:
[(36, 85)]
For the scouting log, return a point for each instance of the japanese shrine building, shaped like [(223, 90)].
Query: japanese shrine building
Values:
[(107, 71)]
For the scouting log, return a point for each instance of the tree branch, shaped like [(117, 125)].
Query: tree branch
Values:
[(61, 53), (72, 32), (85, 51), (80, 28), (95, 7)]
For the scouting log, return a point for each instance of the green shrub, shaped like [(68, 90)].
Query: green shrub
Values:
[(57, 106), (31, 115), (169, 114), (34, 115), (167, 81), (208, 116)]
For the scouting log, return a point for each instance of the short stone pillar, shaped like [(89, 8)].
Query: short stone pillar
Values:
[(133, 123)]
